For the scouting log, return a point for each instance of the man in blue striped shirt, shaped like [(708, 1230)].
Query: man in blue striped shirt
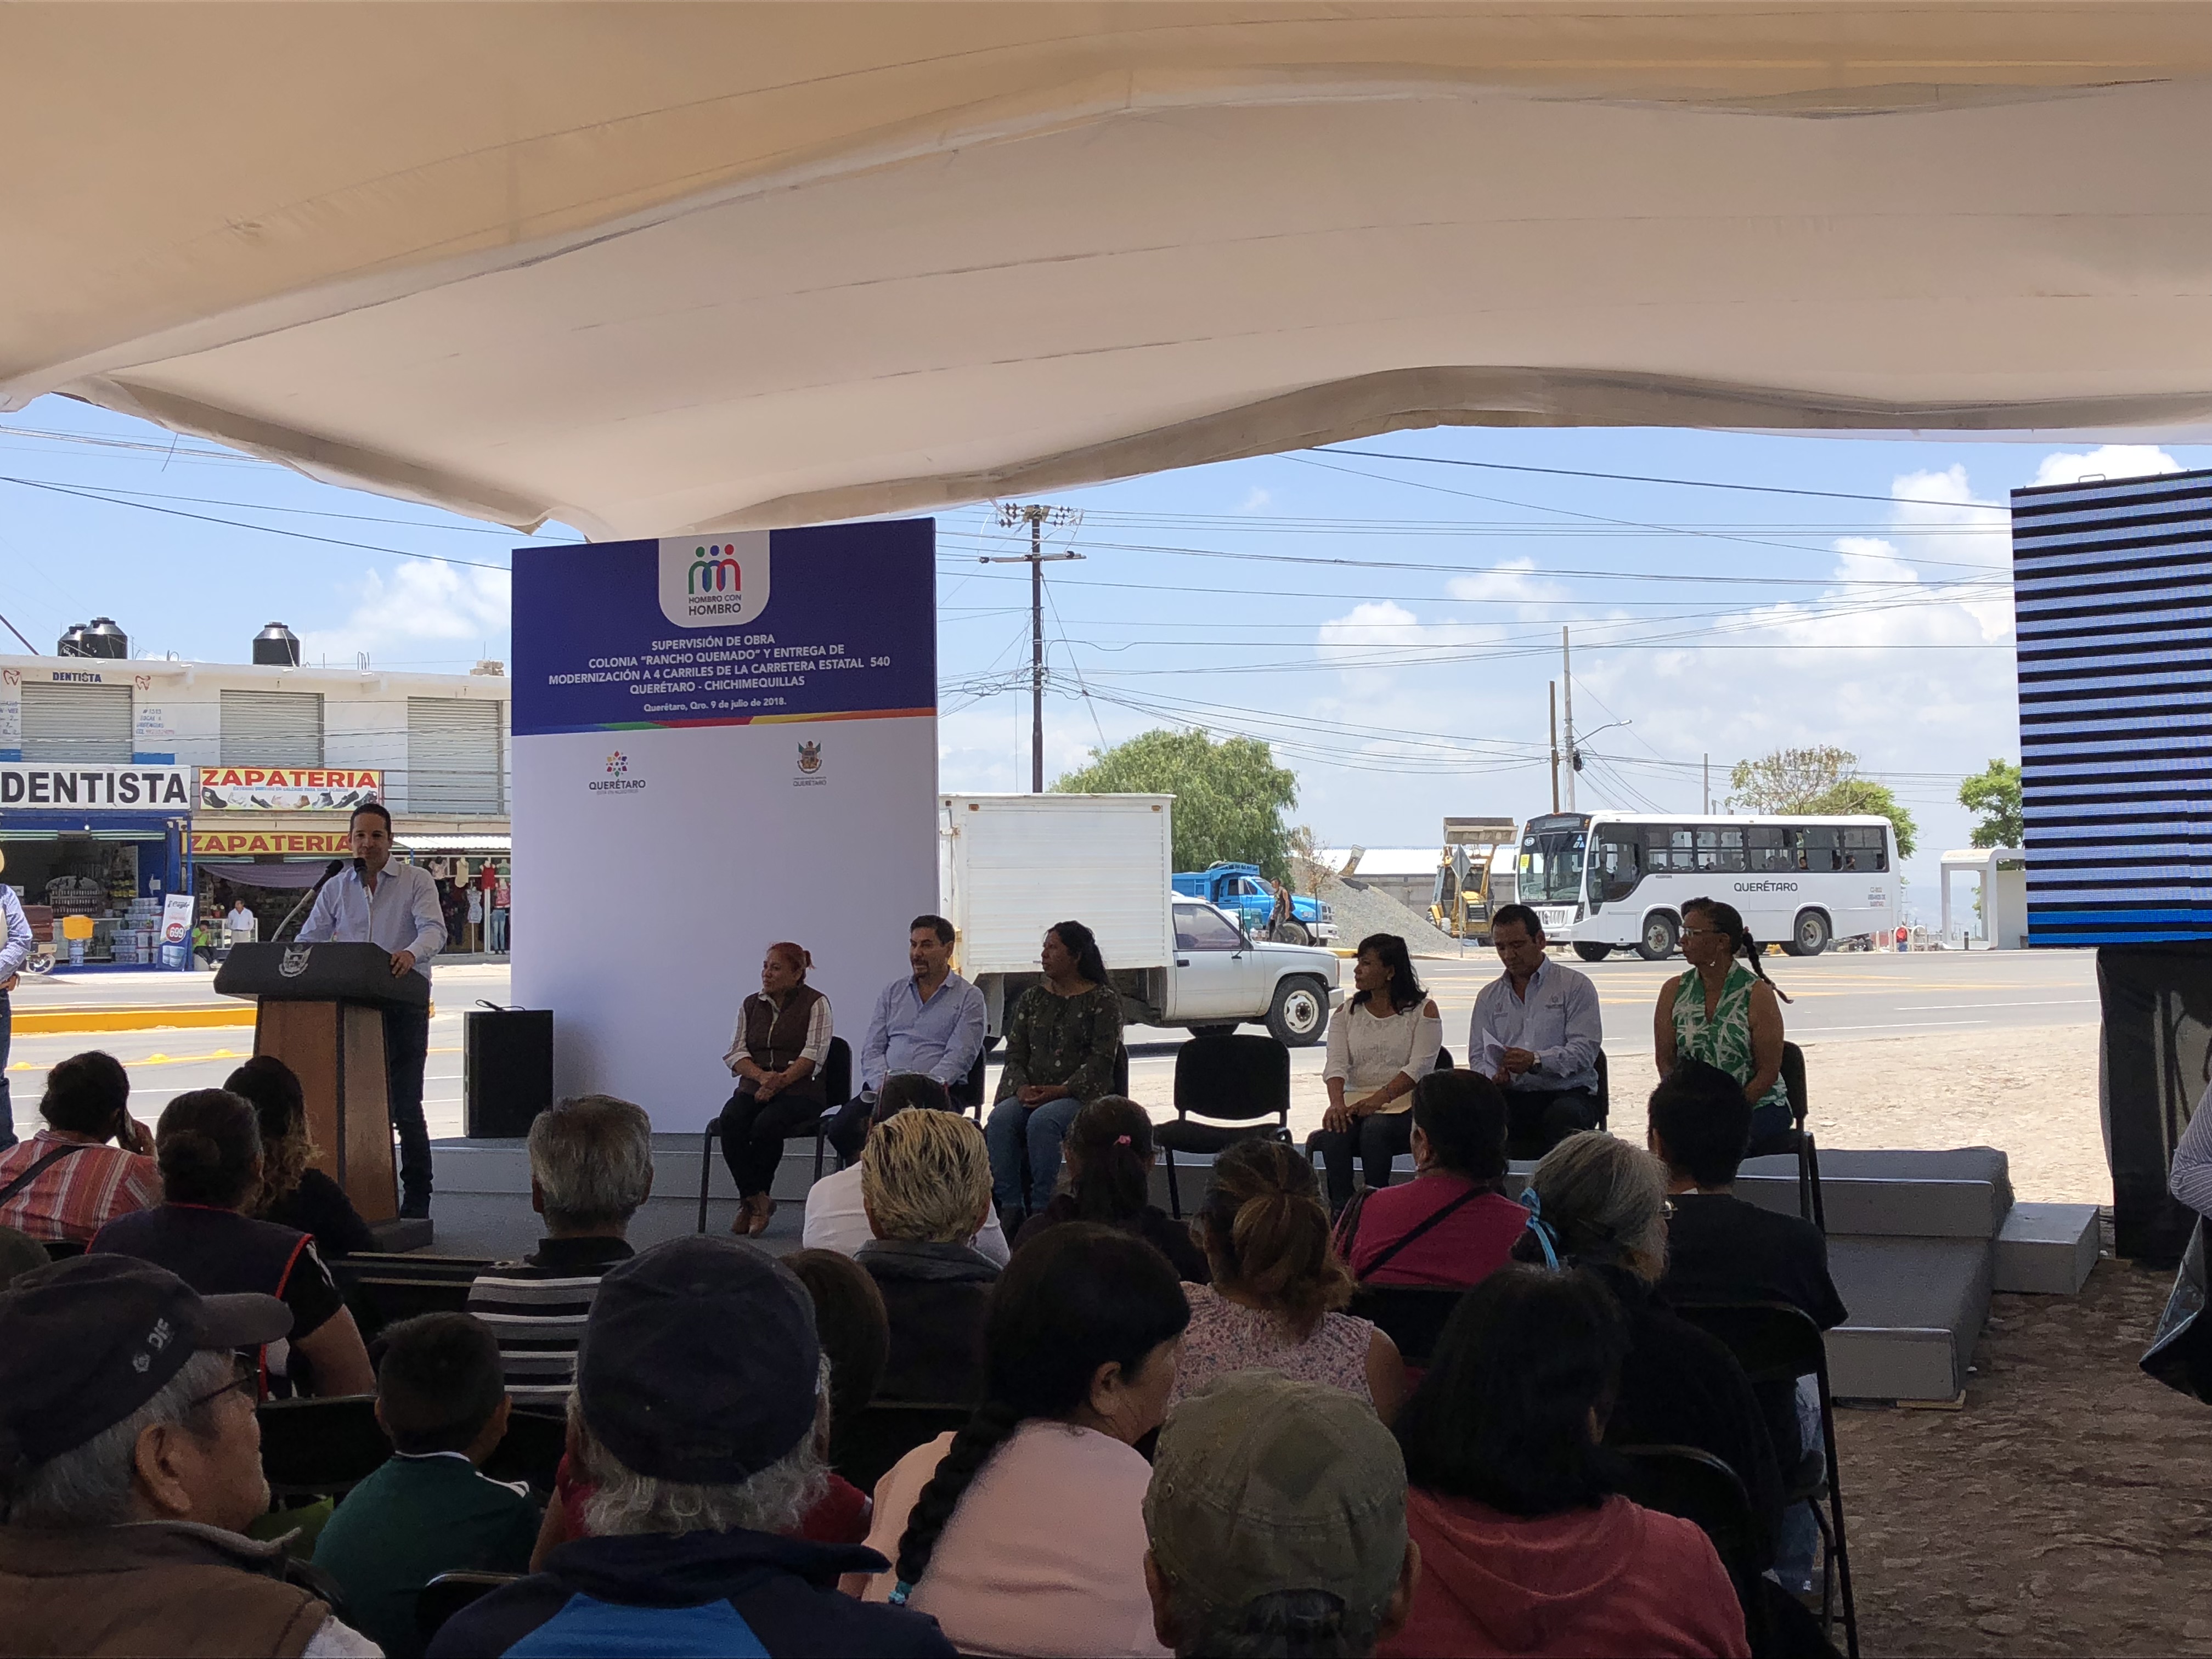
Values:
[(932, 1022)]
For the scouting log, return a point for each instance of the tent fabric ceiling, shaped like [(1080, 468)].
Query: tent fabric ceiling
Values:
[(651, 268)]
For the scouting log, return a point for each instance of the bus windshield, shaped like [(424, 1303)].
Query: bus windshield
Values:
[(1551, 864)]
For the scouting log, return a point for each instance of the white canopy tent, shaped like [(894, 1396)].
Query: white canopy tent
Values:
[(651, 268)]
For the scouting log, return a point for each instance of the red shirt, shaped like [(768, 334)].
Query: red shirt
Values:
[(76, 1196), (1468, 1245)]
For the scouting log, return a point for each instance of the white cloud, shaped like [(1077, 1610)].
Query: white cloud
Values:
[(420, 603), (1256, 499), (1515, 582), (2106, 461)]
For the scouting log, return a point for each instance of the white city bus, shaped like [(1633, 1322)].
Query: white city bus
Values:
[(1602, 880)]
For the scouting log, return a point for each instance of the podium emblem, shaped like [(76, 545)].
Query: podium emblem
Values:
[(294, 962)]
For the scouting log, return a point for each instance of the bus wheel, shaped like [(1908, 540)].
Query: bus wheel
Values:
[(1589, 953), (1659, 935), (1811, 934)]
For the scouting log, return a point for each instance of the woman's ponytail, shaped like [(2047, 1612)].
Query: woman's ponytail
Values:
[(1268, 1235)]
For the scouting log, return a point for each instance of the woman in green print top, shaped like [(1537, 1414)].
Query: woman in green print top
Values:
[(1726, 1012), (1063, 1039)]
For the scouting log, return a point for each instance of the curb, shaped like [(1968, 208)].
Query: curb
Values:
[(61, 1021)]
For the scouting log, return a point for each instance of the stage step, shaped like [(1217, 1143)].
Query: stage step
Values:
[(2047, 1249), (1916, 1309), (1960, 1194)]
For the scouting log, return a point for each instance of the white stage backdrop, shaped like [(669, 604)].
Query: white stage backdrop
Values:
[(718, 743)]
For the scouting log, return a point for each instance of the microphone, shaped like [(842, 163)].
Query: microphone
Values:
[(330, 872)]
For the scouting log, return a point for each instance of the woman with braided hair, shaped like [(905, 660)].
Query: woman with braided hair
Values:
[(1726, 1012), (1024, 1531)]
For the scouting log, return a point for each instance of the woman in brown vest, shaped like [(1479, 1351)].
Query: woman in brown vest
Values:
[(776, 1053)]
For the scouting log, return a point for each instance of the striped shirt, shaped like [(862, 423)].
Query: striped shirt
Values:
[(74, 1197), (536, 1307)]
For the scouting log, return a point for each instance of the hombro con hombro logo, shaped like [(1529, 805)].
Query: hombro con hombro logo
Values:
[(717, 582)]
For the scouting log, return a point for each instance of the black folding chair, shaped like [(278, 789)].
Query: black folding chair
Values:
[(837, 1090), (1234, 1082), (378, 1302), (60, 1249), (320, 1448), (864, 1446), (536, 1438), (1809, 1203), (968, 1093), (448, 1594), (1604, 1091), (1776, 1343), (1411, 1316), (1702, 1490)]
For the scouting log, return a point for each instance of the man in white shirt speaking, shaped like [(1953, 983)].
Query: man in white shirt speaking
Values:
[(1536, 1034), (395, 906)]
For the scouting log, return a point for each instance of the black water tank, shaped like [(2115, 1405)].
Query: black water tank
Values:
[(104, 639), (72, 642), (276, 647)]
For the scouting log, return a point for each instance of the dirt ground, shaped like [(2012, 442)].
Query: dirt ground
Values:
[(2066, 1509)]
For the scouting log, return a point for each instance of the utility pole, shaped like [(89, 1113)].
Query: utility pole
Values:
[(1708, 786), (1567, 677), (1037, 516), (1554, 689)]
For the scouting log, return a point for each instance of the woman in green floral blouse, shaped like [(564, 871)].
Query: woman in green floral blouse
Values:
[(1726, 1012), (1061, 1041)]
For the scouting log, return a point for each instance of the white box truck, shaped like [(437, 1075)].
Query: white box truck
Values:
[(1010, 866)]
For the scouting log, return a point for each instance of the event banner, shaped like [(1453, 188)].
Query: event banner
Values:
[(287, 788), (720, 742)]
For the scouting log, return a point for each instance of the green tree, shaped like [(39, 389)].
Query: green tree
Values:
[(1994, 792), (1821, 779), (1229, 796)]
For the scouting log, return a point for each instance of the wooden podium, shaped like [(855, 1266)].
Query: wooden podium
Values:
[(321, 1011)]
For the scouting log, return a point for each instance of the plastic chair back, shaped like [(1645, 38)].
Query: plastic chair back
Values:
[(1232, 1079), (448, 1594), (1411, 1316), (1604, 1091), (317, 1448), (1793, 1079), (1773, 1341), (865, 1445), (838, 1073), (1698, 1487), (536, 1438)]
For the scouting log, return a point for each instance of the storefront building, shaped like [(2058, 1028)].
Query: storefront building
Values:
[(104, 842)]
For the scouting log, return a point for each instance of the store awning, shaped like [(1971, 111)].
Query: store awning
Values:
[(486, 843), (649, 269), (281, 873)]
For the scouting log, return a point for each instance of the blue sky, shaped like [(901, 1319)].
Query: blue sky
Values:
[(1391, 625)]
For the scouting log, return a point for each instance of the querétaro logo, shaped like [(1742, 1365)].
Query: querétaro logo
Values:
[(618, 764), (618, 780), (717, 582)]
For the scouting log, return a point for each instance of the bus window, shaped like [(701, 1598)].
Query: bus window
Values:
[(1618, 866), (1768, 848), (1866, 849), (1721, 851), (1667, 848), (1818, 849)]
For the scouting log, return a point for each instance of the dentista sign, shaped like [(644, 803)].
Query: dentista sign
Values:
[(97, 788)]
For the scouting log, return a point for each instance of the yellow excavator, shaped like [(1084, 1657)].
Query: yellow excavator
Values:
[(1468, 889)]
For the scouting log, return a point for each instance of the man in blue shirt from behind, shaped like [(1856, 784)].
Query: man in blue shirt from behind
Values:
[(702, 1402), (931, 1021)]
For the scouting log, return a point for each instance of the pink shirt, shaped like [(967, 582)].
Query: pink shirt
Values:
[(1045, 1554), (1467, 1246), (76, 1196)]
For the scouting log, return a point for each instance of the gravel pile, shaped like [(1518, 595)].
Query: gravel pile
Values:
[(1360, 910)]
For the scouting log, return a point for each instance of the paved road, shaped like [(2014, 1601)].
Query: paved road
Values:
[(1838, 998)]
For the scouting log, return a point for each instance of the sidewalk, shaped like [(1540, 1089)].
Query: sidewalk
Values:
[(156, 998)]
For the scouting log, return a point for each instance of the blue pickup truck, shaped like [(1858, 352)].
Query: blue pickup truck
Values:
[(1244, 892)]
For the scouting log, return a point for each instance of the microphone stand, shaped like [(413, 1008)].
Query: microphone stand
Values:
[(332, 869)]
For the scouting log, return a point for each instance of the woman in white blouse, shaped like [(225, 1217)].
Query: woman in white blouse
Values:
[(1384, 1042)]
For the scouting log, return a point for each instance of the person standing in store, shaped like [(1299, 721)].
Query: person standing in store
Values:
[(395, 906), (241, 925), (15, 942)]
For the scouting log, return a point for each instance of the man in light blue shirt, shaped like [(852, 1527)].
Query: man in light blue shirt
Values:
[(1536, 1034), (931, 1023), (396, 906), (16, 944)]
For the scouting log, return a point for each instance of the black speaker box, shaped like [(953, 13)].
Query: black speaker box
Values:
[(507, 1071)]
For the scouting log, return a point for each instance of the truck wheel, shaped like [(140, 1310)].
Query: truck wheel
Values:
[(1589, 953), (1291, 933), (1212, 1030), (1811, 934), (1659, 937), (1299, 1016)]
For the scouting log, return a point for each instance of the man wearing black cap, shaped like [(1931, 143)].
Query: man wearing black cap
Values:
[(130, 1466), (702, 1403)]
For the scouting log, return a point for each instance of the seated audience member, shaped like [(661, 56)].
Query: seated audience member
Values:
[(776, 1054), (1278, 1285), (1062, 1040), (429, 1509), (134, 1470), (925, 1180), (19, 1253), (208, 1148), (1536, 1033), (1024, 1531), (855, 1334), (293, 1194), (1277, 1520), (1526, 1547), (590, 1167), (931, 1023), (1452, 1225), (836, 1219), (1109, 1153), (1602, 1205), (1384, 1042), (66, 1183), (700, 1400)]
